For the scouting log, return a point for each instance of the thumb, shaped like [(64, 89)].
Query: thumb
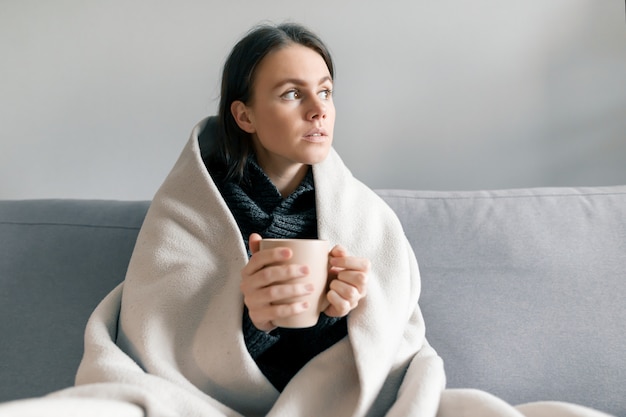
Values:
[(338, 251), (253, 242)]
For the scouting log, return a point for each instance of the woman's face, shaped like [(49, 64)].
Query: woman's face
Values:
[(291, 115)]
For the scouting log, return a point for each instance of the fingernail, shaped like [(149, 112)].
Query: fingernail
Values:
[(309, 287), (304, 269)]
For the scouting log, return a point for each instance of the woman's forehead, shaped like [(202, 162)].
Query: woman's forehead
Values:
[(295, 64)]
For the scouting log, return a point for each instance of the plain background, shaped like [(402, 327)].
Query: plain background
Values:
[(97, 98)]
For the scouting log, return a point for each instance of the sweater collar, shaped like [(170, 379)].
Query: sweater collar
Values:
[(259, 187)]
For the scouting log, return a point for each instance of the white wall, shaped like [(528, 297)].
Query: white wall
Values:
[(97, 98)]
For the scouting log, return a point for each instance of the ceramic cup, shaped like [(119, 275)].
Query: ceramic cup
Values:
[(313, 253)]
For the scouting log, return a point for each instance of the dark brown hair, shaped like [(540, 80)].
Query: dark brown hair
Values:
[(233, 144)]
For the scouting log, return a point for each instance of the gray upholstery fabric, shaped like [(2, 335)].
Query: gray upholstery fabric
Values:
[(58, 259), (522, 289)]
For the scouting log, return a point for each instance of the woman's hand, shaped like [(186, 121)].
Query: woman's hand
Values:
[(348, 285), (266, 286)]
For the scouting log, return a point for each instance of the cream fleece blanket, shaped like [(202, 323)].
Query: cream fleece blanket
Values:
[(169, 339)]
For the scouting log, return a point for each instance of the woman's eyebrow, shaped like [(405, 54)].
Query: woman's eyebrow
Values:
[(300, 82)]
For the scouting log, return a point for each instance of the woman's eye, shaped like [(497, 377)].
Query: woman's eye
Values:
[(292, 95), (326, 94)]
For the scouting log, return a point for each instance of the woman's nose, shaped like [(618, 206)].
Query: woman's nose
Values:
[(318, 109)]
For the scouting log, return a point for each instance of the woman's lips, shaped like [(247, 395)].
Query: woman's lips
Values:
[(316, 135)]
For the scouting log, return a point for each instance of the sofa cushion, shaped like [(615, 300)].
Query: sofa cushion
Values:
[(523, 290), (58, 259)]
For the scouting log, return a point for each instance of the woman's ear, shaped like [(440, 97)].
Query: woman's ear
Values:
[(242, 116)]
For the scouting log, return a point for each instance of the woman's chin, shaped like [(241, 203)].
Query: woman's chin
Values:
[(316, 157)]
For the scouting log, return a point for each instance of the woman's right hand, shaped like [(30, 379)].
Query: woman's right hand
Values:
[(266, 286)]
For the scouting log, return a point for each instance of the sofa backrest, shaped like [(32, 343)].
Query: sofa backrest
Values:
[(523, 290), (58, 259)]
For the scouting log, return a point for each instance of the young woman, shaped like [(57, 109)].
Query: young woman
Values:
[(276, 120), (190, 332)]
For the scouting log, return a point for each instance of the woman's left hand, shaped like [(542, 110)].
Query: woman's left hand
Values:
[(348, 285)]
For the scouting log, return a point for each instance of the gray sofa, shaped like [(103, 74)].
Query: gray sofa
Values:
[(523, 291)]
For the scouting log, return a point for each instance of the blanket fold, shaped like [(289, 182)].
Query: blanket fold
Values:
[(169, 339)]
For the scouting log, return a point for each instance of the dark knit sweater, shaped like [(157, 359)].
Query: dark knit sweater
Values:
[(258, 206)]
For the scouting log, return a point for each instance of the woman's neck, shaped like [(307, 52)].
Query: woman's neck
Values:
[(286, 180)]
